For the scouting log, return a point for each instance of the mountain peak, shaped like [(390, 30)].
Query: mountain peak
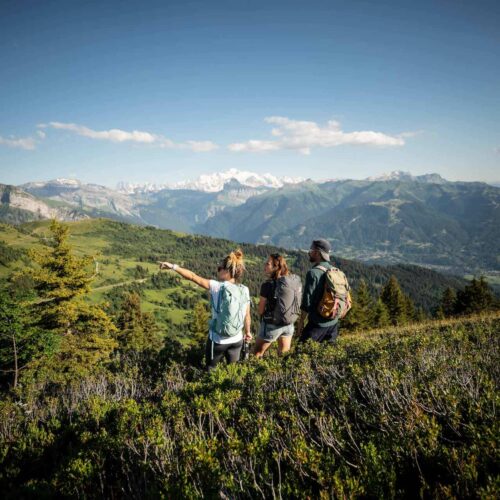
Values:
[(400, 175), (214, 182)]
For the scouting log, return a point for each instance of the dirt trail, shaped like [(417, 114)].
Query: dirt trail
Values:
[(108, 287)]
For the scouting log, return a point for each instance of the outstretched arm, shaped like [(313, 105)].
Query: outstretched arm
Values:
[(187, 274)]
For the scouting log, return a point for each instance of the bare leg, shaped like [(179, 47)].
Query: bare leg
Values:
[(284, 344), (260, 347)]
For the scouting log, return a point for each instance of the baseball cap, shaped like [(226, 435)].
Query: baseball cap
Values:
[(323, 247)]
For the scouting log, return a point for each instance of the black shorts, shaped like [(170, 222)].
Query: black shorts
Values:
[(320, 333), (214, 353)]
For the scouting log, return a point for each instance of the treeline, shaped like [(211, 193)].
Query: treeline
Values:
[(202, 254), (475, 297)]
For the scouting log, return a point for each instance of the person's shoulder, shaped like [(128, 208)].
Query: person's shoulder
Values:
[(214, 286), (246, 291)]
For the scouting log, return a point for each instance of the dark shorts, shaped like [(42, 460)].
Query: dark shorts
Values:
[(214, 353), (320, 334)]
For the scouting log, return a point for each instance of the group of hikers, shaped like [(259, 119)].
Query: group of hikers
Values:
[(316, 307)]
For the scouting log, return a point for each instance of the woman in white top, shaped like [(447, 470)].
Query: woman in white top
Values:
[(229, 273)]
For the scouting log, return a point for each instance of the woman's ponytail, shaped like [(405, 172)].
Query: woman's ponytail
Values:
[(234, 264)]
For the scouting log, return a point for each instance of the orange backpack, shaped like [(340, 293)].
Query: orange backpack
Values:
[(336, 301)]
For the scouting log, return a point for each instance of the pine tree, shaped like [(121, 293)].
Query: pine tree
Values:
[(395, 301), (83, 333), (361, 316), (476, 297), (381, 316), (439, 313), (410, 310), (198, 328), (20, 343), (448, 302), (138, 331), (419, 315)]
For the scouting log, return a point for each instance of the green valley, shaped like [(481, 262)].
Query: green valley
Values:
[(125, 256)]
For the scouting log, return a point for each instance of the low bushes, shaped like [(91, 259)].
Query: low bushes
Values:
[(407, 413)]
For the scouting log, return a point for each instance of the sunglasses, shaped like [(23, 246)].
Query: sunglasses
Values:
[(275, 255), (219, 268)]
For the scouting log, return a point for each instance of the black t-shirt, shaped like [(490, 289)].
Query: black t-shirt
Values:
[(267, 291)]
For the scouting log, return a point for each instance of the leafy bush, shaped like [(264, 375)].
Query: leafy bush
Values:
[(405, 412)]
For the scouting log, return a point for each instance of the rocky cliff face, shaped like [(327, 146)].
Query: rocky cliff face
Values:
[(85, 197), (19, 206)]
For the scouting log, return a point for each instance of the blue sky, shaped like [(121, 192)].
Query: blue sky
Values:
[(165, 91)]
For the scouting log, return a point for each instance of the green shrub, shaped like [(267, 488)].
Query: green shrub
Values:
[(405, 413)]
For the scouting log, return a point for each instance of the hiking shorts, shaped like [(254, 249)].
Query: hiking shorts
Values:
[(215, 353), (270, 333), (320, 334)]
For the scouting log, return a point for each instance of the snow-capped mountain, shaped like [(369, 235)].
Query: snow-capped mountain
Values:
[(400, 175), (56, 183), (140, 188), (213, 183)]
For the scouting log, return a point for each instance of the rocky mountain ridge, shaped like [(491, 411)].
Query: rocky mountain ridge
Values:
[(426, 220)]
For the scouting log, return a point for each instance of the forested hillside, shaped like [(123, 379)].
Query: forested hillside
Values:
[(423, 220), (127, 253), (448, 225)]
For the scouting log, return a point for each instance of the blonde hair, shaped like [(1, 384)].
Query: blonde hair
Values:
[(233, 264)]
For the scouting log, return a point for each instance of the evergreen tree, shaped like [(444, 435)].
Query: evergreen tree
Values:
[(448, 304), (19, 341), (381, 316), (395, 301), (83, 333), (476, 297), (138, 332), (420, 315), (410, 311), (439, 313), (198, 328), (361, 315)]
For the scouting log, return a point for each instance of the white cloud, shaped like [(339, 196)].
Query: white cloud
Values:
[(201, 146), (138, 136), (113, 135), (254, 146), (21, 143), (41, 134), (302, 136), (497, 150)]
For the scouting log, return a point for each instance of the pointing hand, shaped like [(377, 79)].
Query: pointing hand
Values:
[(166, 265)]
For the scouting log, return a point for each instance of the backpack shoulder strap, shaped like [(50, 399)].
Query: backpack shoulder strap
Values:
[(219, 298), (321, 268)]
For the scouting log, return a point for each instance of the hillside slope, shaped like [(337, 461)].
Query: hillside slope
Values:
[(454, 226), (119, 248), (394, 414)]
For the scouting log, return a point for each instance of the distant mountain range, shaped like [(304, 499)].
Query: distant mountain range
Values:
[(213, 183), (425, 220)]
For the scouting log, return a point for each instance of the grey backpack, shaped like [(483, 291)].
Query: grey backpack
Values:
[(287, 296)]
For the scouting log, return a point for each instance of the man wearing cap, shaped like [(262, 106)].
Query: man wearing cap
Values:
[(317, 328)]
